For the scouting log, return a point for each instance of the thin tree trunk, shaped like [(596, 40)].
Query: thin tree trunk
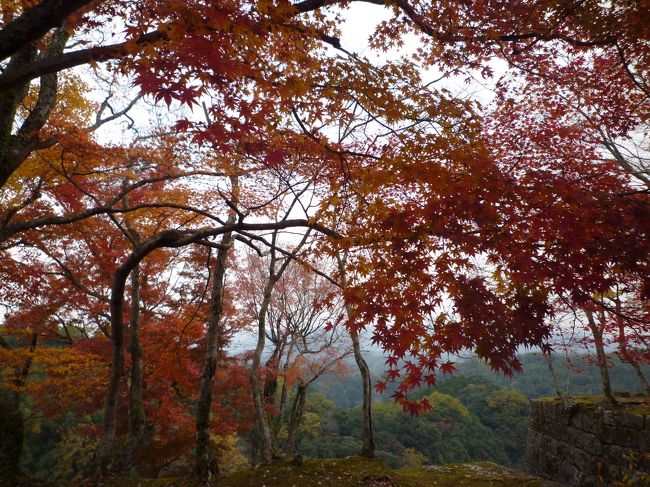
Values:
[(268, 444), (639, 373), (297, 412), (556, 382), (626, 355), (206, 463), (601, 358), (136, 406), (367, 435), (268, 448), (283, 393)]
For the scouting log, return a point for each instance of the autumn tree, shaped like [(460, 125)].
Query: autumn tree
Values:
[(461, 223)]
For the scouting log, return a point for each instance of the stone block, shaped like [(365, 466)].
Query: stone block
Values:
[(588, 442), (609, 418), (630, 420), (567, 472), (588, 421), (627, 437), (616, 455), (564, 450)]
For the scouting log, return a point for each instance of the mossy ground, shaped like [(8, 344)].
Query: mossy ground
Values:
[(637, 403), (354, 472)]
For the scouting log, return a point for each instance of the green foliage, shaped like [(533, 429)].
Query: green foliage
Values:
[(470, 420)]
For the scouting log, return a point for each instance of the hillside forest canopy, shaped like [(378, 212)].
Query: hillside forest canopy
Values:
[(176, 172)]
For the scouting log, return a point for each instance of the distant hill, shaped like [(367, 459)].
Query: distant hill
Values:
[(578, 377)]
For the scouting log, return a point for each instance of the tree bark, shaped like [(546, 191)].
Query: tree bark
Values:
[(627, 356), (556, 382), (206, 463), (283, 393), (297, 412), (14, 149), (136, 407), (367, 435), (12, 423), (271, 378), (601, 358), (268, 448), (106, 446), (11, 437)]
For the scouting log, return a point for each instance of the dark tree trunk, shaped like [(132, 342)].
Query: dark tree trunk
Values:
[(297, 412), (15, 148), (137, 418), (106, 446), (11, 437), (271, 377), (206, 463), (12, 423)]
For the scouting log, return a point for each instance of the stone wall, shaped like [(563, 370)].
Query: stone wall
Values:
[(577, 445)]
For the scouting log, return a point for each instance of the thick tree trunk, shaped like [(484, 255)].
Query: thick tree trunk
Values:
[(268, 448), (12, 423), (601, 358), (206, 463), (297, 412), (106, 446), (14, 149), (136, 406)]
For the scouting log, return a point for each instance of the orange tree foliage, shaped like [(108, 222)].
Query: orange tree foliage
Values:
[(462, 222)]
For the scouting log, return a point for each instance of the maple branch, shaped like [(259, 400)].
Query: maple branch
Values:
[(71, 59), (310, 5), (9, 229), (35, 22), (114, 115)]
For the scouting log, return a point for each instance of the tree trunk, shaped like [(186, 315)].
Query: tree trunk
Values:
[(136, 406), (297, 412), (283, 393), (271, 377), (12, 423), (639, 373), (268, 448), (556, 382), (627, 356), (11, 437), (367, 436), (601, 358), (206, 463), (106, 446)]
